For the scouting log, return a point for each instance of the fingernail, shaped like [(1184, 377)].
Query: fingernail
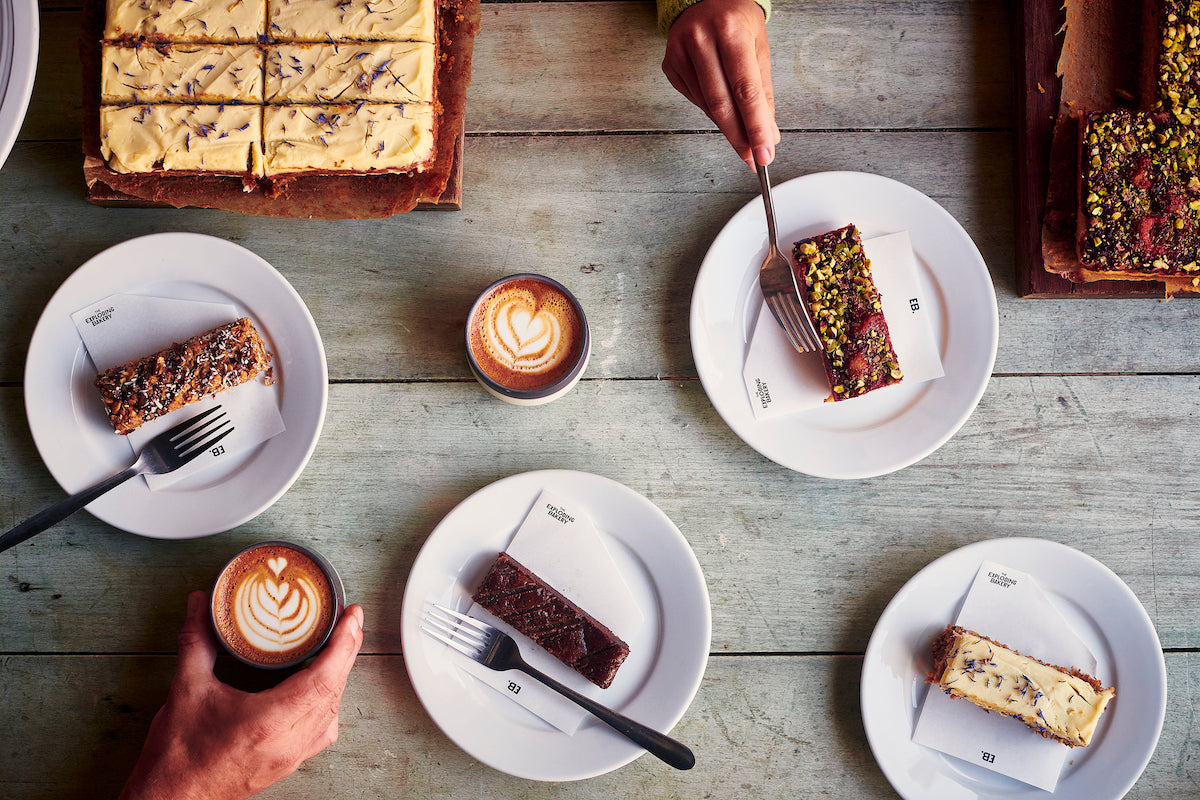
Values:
[(193, 603), (763, 155)]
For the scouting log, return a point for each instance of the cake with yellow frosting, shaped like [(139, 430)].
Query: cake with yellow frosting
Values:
[(348, 138), (193, 73), (1059, 703), (279, 107), (351, 20), (375, 72), (224, 21), (182, 138)]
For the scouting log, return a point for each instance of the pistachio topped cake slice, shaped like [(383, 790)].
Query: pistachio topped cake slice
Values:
[(1139, 192), (846, 308), (1177, 79)]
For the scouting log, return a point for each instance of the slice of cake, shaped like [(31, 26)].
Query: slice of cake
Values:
[(1059, 703), (563, 629), (219, 21), (185, 138), (848, 314), (360, 138), (378, 72), (147, 388), (187, 73), (1176, 79), (351, 20), (1139, 192)]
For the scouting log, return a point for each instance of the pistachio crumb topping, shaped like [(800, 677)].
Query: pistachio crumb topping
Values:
[(848, 313)]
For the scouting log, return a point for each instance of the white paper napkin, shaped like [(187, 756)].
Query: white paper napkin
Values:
[(559, 544), (123, 327), (781, 381), (1008, 606)]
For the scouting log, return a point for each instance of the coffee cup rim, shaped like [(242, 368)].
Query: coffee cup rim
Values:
[(335, 585), (549, 391)]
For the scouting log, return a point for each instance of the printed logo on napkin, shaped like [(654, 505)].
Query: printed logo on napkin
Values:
[(559, 544), (122, 327), (1008, 606), (781, 381)]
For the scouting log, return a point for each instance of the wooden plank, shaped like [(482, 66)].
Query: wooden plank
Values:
[(595, 66), (794, 564), (763, 727), (390, 296)]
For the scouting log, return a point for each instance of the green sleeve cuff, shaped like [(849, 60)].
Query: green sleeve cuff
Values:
[(669, 11)]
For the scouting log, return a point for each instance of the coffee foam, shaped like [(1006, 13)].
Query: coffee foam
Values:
[(526, 334), (273, 605)]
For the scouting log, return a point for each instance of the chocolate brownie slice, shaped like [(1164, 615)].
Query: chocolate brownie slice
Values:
[(541, 612)]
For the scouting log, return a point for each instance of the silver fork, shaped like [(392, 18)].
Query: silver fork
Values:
[(495, 649), (166, 452), (778, 283)]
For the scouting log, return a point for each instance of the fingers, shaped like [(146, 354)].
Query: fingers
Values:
[(320, 686), (718, 58), (197, 645)]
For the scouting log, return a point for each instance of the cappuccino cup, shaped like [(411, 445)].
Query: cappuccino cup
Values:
[(275, 603), (527, 339)]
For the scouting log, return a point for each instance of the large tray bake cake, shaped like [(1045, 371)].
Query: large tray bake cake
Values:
[(292, 108), (1123, 201)]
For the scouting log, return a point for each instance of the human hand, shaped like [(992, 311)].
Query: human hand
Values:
[(718, 57), (215, 742)]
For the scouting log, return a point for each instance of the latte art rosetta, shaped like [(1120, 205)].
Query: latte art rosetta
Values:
[(521, 336), (275, 615)]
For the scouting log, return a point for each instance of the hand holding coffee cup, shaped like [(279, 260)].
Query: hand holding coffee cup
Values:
[(212, 740), (275, 604), (528, 340)]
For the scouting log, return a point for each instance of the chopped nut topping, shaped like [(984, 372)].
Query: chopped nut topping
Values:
[(848, 313)]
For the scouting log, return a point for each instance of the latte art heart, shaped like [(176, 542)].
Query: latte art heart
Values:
[(526, 333), (523, 337), (275, 616)]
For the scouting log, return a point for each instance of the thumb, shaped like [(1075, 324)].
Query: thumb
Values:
[(197, 645)]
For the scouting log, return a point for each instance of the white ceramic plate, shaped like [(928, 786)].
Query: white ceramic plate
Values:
[(18, 64), (1101, 610), (658, 682), (883, 431), (73, 433)]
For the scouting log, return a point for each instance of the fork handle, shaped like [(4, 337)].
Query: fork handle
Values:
[(674, 753), (764, 184), (63, 509)]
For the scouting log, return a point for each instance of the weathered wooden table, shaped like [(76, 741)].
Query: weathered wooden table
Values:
[(583, 164)]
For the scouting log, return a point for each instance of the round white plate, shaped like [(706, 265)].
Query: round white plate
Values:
[(18, 64), (656, 683), (1100, 608), (883, 431), (74, 435)]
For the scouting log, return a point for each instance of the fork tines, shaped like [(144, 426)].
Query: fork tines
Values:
[(200, 432), (465, 634)]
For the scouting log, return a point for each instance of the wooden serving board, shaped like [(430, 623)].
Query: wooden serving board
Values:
[(1038, 91)]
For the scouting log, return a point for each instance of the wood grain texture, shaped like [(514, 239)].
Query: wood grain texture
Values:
[(615, 220), (606, 179), (787, 557), (764, 727)]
